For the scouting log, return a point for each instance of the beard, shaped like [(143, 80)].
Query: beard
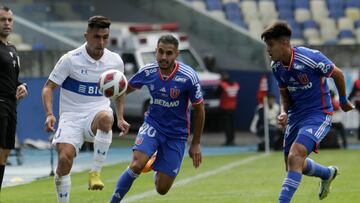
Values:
[(164, 65)]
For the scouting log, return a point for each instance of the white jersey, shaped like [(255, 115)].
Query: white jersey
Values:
[(78, 74)]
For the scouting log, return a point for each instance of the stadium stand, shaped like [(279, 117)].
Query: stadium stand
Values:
[(314, 22)]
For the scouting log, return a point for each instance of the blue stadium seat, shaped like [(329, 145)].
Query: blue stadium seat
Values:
[(346, 34), (357, 24), (335, 4), (310, 24), (352, 4), (213, 5), (286, 14), (336, 12), (301, 4), (284, 4)]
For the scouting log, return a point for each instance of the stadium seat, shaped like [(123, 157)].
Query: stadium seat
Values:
[(267, 11), (302, 14), (249, 10), (345, 23), (198, 4), (311, 32), (336, 12), (328, 31), (256, 28), (318, 10), (346, 37)]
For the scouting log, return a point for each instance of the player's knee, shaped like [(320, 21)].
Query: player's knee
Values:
[(295, 160), (137, 166), (105, 121), (64, 165), (161, 189)]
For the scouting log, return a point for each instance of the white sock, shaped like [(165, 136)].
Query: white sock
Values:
[(101, 146), (63, 187)]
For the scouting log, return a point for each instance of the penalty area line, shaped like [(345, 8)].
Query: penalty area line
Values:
[(186, 181)]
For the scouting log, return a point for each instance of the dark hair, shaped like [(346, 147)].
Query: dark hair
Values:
[(277, 30), (5, 8), (169, 39), (99, 22)]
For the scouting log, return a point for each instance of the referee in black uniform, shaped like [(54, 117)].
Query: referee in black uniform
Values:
[(11, 89)]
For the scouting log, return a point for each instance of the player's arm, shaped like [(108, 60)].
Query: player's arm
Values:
[(284, 106), (121, 122), (339, 80), (199, 120), (47, 96)]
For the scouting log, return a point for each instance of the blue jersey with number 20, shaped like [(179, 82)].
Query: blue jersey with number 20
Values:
[(169, 110)]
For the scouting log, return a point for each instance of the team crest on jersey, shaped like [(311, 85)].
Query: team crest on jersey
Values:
[(174, 93), (139, 139), (303, 78)]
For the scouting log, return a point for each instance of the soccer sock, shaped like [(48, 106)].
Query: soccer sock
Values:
[(123, 185), (2, 171), (63, 187), (101, 146), (290, 185), (317, 170)]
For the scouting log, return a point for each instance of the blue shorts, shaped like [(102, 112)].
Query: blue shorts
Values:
[(313, 126), (170, 152)]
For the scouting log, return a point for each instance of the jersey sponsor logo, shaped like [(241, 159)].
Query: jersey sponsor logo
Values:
[(83, 71), (298, 66), (174, 93), (309, 131), (166, 103), (83, 88), (149, 71), (305, 87), (180, 79), (323, 68), (303, 78), (198, 93), (163, 90)]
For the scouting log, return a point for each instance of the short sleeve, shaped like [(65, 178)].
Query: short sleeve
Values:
[(324, 66), (61, 70), (195, 93)]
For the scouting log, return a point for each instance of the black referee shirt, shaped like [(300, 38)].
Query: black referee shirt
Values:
[(9, 72)]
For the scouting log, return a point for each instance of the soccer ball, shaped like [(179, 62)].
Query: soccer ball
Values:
[(112, 83)]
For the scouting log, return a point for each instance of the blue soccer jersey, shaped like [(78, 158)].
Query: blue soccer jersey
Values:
[(169, 110), (305, 79)]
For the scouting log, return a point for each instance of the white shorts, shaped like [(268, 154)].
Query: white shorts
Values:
[(75, 128)]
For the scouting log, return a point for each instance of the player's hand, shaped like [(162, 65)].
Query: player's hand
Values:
[(123, 126), (282, 119), (195, 154), (347, 107), (50, 123), (21, 92)]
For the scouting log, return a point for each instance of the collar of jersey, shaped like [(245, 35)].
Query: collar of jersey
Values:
[(172, 73)]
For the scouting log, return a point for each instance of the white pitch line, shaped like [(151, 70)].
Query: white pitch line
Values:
[(186, 181)]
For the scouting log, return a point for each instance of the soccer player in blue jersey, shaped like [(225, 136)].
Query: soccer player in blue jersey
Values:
[(173, 86), (305, 106)]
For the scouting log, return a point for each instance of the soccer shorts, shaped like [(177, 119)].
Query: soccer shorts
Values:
[(170, 151), (313, 126), (7, 125), (75, 128)]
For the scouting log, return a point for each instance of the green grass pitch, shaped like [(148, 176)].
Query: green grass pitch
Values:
[(239, 178)]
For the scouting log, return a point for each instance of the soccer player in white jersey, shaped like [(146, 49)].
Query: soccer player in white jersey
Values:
[(173, 86), (305, 106), (85, 115)]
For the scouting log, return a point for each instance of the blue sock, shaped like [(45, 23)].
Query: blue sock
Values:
[(290, 185), (317, 170), (123, 185)]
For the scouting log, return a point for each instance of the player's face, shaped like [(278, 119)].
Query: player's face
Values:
[(166, 55), (276, 48), (6, 23), (97, 39)]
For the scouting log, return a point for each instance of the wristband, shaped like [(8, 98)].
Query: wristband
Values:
[(343, 100)]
